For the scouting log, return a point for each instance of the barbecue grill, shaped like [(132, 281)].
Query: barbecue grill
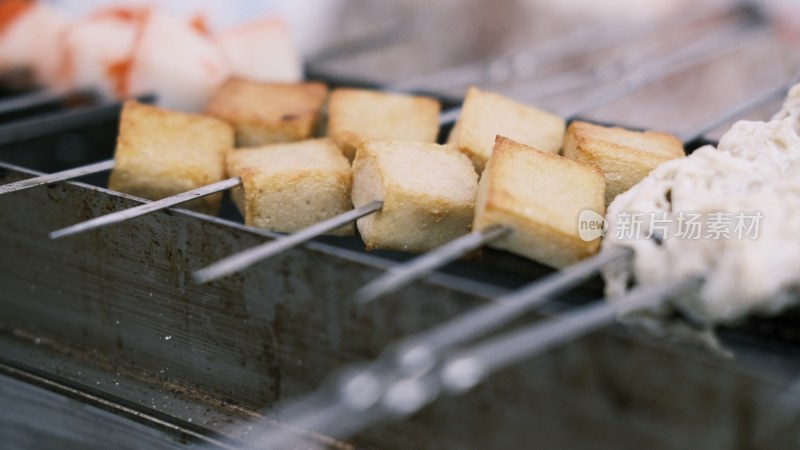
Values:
[(105, 341)]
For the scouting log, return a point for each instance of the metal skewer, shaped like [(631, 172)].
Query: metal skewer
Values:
[(402, 274), (38, 99), (504, 309), (58, 176), (146, 208), (54, 123), (450, 116), (239, 261), (57, 122), (468, 368)]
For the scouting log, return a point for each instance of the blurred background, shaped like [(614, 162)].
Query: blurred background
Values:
[(673, 65)]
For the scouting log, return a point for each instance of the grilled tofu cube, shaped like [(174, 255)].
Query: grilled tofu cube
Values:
[(292, 185), (268, 113), (485, 115), (428, 193), (162, 153), (540, 195), (355, 115), (625, 156)]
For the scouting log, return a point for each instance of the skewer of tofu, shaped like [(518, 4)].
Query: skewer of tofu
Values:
[(168, 156), (624, 156), (294, 117), (484, 115), (408, 176), (428, 190)]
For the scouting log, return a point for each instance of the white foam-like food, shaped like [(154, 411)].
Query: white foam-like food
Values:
[(754, 172), (791, 108)]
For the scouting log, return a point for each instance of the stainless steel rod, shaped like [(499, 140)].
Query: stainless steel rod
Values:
[(58, 176), (471, 366), (38, 99), (56, 122), (247, 258), (449, 117), (506, 308), (402, 274), (130, 213)]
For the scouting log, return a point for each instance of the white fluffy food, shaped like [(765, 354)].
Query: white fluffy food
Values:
[(754, 170)]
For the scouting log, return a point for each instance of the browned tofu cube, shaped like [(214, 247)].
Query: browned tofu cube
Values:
[(428, 193), (355, 115), (625, 156), (540, 195), (486, 115), (268, 113), (289, 186), (161, 153)]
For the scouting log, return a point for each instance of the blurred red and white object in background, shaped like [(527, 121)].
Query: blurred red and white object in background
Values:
[(29, 35), (311, 22), (138, 47), (95, 52), (178, 63), (128, 51)]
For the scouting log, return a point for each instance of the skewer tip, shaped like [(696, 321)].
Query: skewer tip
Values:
[(204, 276), (366, 295), (58, 234)]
